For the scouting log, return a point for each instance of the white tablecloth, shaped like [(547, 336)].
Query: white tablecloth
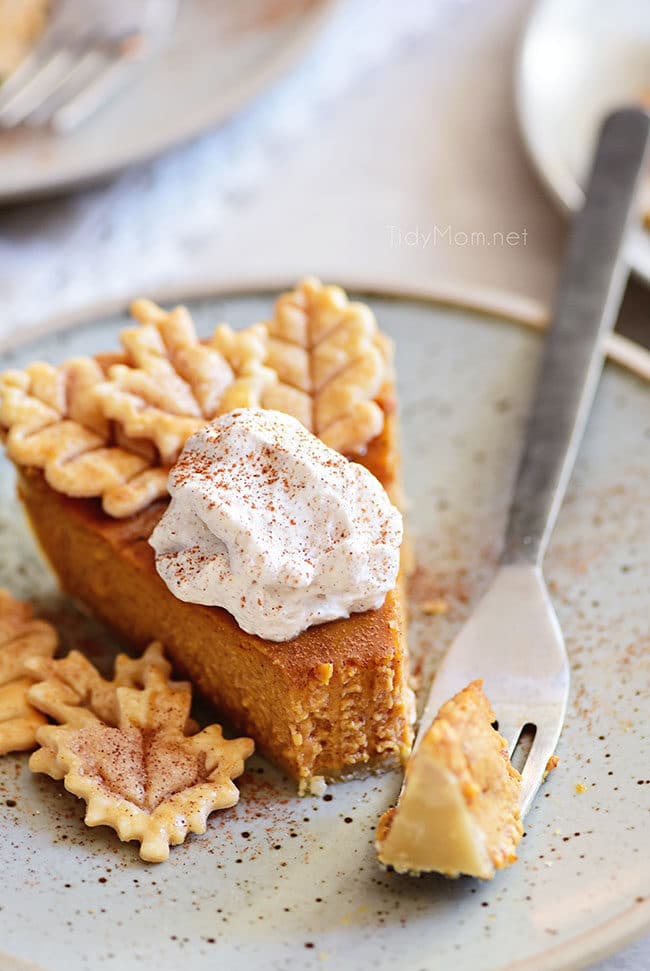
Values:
[(390, 157)]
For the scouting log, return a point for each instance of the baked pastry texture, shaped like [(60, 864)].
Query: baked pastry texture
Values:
[(128, 748), (458, 812)]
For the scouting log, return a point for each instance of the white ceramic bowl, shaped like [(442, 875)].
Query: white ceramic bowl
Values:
[(578, 60)]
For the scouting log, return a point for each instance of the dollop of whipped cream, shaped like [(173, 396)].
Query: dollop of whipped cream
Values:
[(276, 527)]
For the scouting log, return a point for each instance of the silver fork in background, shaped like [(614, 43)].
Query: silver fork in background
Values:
[(513, 639), (89, 51)]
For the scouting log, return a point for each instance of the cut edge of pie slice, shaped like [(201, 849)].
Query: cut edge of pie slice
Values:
[(332, 703), (458, 811)]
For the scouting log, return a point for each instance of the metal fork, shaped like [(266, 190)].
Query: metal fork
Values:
[(513, 639), (89, 51)]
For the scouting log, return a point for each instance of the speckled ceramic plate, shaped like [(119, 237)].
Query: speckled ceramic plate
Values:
[(221, 55), (281, 882)]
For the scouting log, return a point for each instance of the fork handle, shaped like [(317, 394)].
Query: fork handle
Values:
[(591, 289)]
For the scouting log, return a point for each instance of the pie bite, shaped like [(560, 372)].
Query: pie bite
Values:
[(93, 441), (458, 811)]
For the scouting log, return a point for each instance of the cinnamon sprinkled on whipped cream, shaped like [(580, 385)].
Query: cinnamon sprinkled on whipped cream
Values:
[(276, 527)]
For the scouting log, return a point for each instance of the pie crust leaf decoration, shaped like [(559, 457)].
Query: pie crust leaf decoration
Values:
[(332, 364), (22, 639), (144, 777), (320, 358), (71, 691), (112, 426), (172, 383), (51, 421)]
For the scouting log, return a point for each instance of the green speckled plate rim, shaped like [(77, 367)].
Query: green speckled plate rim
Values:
[(614, 934)]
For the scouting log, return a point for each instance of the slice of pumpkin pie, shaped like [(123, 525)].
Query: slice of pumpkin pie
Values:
[(94, 440), (458, 812)]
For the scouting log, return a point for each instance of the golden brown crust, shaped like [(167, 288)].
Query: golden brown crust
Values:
[(460, 782), (141, 773), (467, 745)]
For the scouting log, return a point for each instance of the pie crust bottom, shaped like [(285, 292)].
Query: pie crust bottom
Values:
[(334, 702)]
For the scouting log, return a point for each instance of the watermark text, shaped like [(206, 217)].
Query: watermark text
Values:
[(447, 235)]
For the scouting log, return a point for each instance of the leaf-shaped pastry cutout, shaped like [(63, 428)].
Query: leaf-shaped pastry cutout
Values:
[(51, 421), (145, 777), (69, 688), (173, 382), (332, 364), (22, 639), (111, 426), (320, 359)]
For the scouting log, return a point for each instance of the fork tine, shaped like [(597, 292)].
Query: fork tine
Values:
[(82, 71), (534, 770), (27, 68), (99, 89), (43, 78), (547, 721), (511, 731), (511, 719)]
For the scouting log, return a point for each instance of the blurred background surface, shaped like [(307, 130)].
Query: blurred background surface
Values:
[(397, 120), (371, 142)]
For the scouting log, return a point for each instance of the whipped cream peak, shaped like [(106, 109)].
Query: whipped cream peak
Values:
[(271, 524)]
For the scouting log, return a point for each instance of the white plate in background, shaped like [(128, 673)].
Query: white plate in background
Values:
[(578, 60), (220, 56)]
